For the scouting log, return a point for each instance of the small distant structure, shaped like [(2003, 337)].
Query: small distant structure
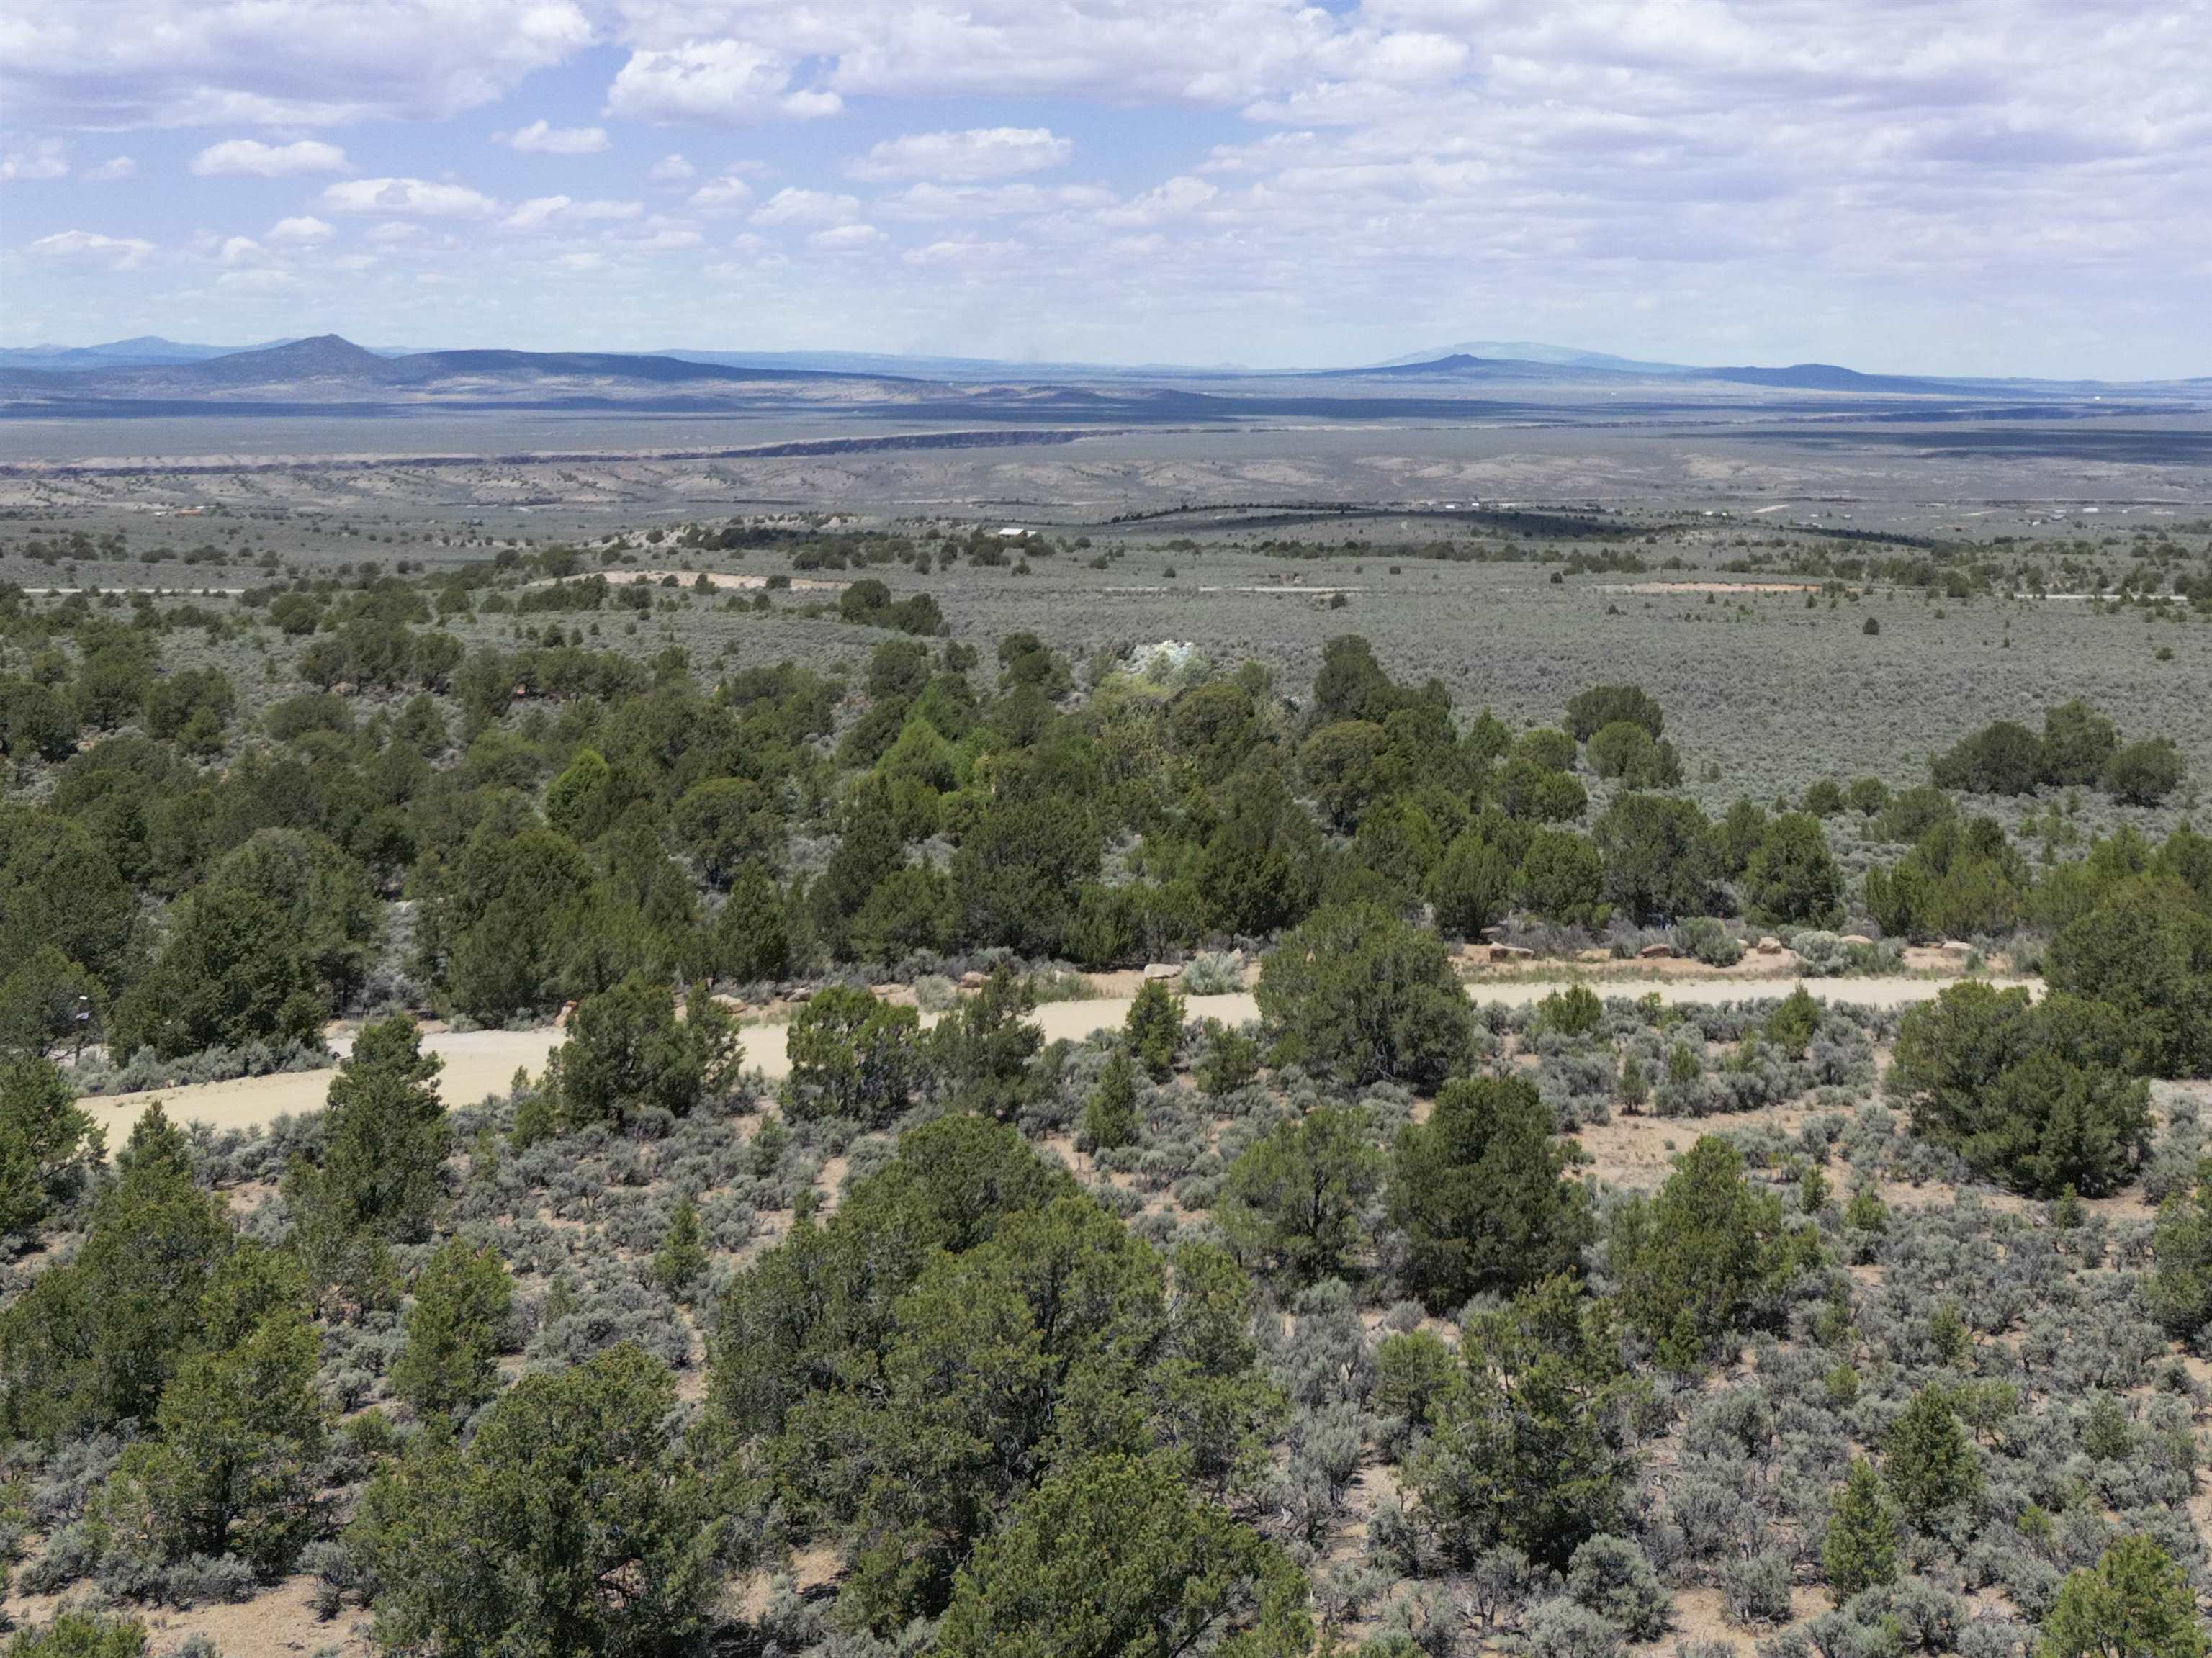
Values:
[(1011, 532)]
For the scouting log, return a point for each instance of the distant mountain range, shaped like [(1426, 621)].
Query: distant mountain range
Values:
[(140, 375), (1559, 356), (1526, 360), (145, 351), (330, 368)]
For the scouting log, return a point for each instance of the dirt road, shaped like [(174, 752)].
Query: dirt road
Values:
[(484, 1062), (478, 1063)]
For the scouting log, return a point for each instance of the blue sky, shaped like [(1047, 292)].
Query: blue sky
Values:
[(1989, 187)]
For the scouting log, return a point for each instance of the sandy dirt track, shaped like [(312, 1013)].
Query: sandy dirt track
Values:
[(484, 1062), (478, 1063)]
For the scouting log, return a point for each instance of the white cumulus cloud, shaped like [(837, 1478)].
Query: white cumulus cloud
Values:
[(960, 202), (90, 246), (671, 169), (408, 198), (547, 210), (251, 158), (794, 206), (1218, 54), (667, 240), (847, 238), (959, 253), (718, 195), (968, 157), (117, 63), (541, 138), (46, 158), (728, 80), (110, 170), (301, 230), (1175, 199)]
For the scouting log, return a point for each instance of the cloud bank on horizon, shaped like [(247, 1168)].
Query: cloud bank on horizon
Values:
[(1958, 186)]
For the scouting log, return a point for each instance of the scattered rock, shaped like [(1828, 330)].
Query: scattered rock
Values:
[(1856, 939), (1511, 953), (971, 980), (1770, 945), (1162, 970), (1657, 952), (561, 1019), (803, 993), (1491, 935)]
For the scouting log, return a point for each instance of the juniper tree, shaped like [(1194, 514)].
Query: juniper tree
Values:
[(46, 1143), (852, 1056), (1357, 995), (1860, 1548), (1110, 1113), (464, 1300), (1154, 1028), (682, 1257), (1706, 1258), (982, 1048), (571, 1522), (1479, 1197), (1531, 1449), (2135, 1602), (2180, 1285), (93, 1341), (1294, 1202), (1928, 1461), (627, 1052), (1117, 1555), (232, 1468), (388, 1134)]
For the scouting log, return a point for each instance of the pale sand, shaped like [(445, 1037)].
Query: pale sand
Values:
[(479, 1063)]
